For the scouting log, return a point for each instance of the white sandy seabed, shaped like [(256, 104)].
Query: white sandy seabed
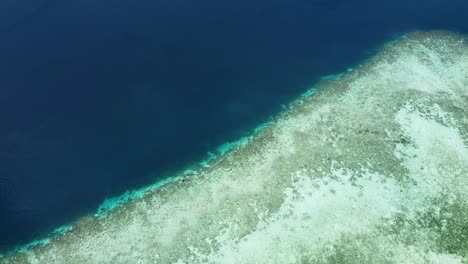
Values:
[(370, 168)]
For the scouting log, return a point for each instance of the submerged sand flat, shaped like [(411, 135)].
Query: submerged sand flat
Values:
[(372, 168)]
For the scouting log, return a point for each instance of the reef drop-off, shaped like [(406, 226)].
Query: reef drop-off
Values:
[(372, 167)]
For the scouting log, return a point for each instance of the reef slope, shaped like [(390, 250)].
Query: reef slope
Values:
[(370, 168)]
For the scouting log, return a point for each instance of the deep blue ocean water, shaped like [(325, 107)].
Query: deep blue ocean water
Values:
[(98, 97)]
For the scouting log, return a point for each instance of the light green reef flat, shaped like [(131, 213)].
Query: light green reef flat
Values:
[(371, 168)]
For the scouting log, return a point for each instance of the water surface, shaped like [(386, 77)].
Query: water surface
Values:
[(100, 97)]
